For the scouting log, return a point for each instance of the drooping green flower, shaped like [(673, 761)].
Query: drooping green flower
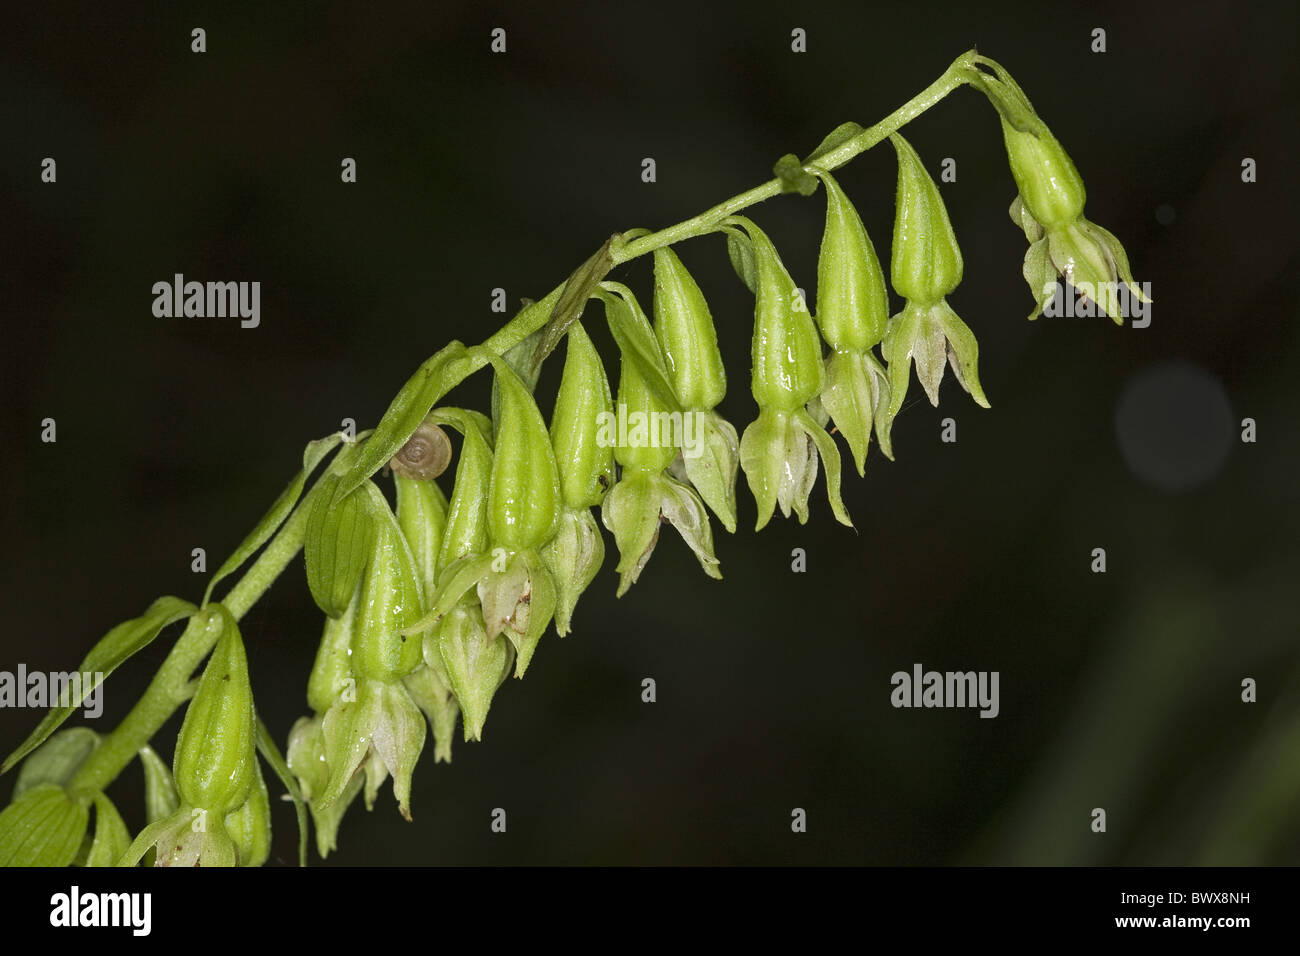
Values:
[(1049, 208), (586, 467), (780, 450), (710, 447), (852, 313), (926, 267), (646, 434)]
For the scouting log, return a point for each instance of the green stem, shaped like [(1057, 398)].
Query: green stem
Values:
[(530, 320), (171, 685)]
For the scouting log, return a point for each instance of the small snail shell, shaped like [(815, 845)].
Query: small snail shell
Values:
[(425, 455)]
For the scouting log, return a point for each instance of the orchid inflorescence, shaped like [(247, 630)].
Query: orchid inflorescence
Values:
[(432, 602)]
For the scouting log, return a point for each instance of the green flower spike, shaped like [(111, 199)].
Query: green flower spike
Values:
[(780, 450), (586, 468), (926, 267), (644, 494), (1049, 208), (852, 312), (710, 453)]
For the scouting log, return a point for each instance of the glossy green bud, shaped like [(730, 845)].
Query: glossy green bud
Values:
[(786, 349), (249, 825), (422, 517), (572, 557), (586, 465), (524, 496), (852, 304), (215, 759), (1050, 187), (476, 665), (332, 670), (645, 446), (687, 337), (42, 827), (926, 262), (466, 531), (390, 600)]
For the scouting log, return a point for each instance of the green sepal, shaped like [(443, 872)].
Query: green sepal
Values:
[(113, 649), (382, 728), (856, 398), (932, 337), (430, 688), (573, 557), (475, 665), (775, 464), (713, 470), (632, 511)]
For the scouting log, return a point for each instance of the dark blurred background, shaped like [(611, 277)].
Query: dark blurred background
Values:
[(1118, 690)]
